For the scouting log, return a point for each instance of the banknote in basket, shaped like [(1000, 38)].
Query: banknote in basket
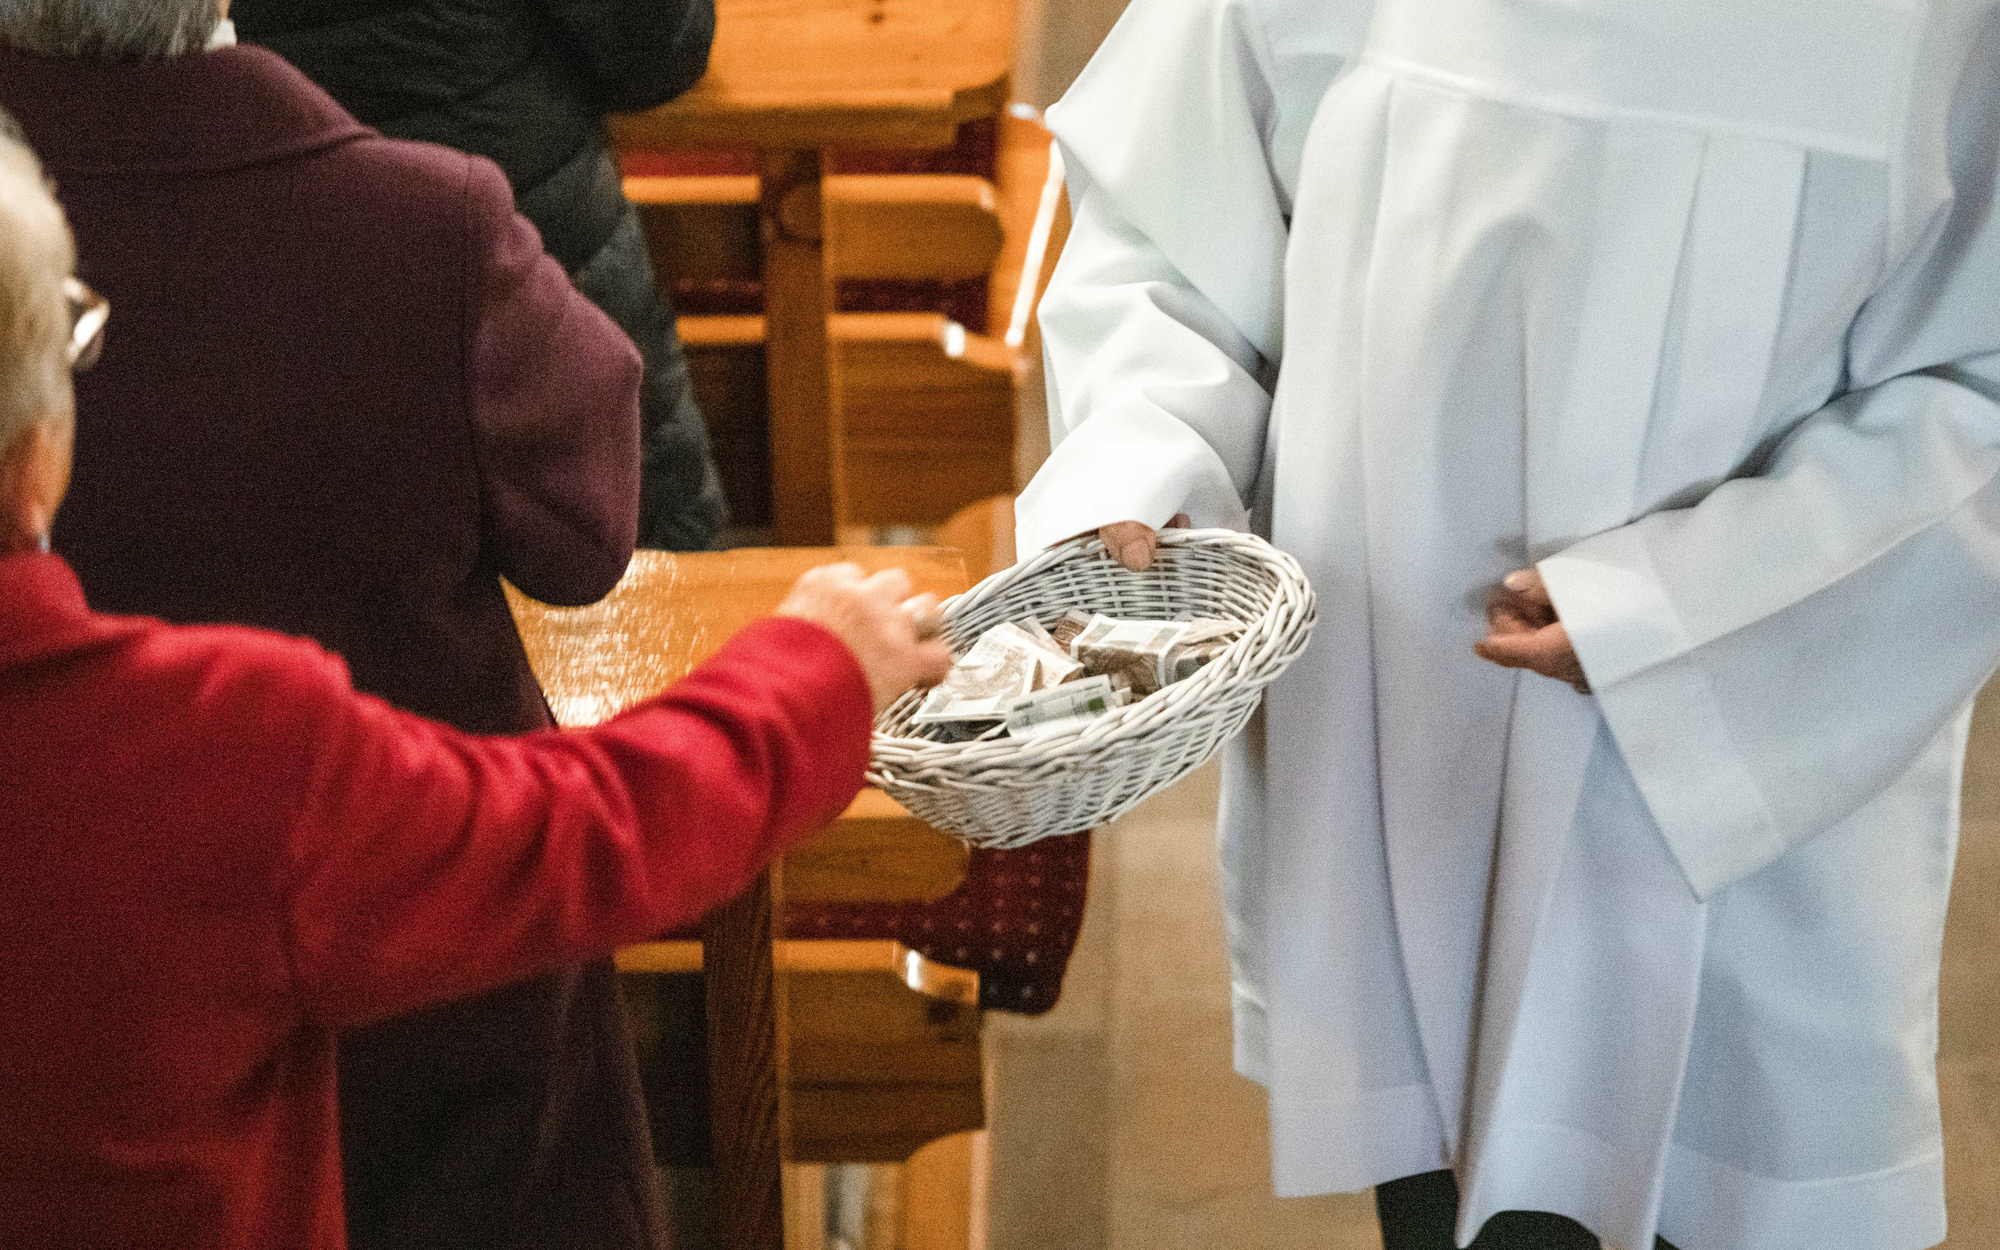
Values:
[(1000, 667), (1140, 650), (1068, 626), (1062, 708), (1204, 640)]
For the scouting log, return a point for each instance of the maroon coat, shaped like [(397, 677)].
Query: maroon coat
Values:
[(213, 853), (342, 393)]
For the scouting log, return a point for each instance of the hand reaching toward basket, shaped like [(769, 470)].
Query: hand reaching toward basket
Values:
[(1133, 543), (893, 636)]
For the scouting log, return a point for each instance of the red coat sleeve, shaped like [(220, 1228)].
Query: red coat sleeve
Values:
[(427, 864), (553, 393)]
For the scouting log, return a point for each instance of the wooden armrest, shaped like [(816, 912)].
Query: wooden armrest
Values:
[(921, 226), (681, 191)]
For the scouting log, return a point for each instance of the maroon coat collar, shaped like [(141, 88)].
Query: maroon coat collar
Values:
[(202, 113)]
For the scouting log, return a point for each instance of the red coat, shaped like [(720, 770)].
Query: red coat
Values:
[(213, 854), (342, 392)]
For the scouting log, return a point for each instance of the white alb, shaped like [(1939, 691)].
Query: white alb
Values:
[(1695, 304)]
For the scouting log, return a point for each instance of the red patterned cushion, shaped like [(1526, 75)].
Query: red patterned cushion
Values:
[(1014, 920)]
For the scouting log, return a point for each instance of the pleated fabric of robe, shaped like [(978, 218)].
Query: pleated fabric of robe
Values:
[(1696, 307)]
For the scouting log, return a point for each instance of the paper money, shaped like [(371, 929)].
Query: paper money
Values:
[(1054, 670), (1055, 667), (1068, 626), (1205, 639), (1027, 678), (962, 730), (1191, 659), (1001, 666), (1204, 628), (1033, 628), (1062, 709), (1140, 650)]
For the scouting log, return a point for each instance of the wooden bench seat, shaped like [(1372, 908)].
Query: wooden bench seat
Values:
[(913, 226), (928, 407)]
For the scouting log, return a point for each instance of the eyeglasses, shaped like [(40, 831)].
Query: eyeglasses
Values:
[(88, 311)]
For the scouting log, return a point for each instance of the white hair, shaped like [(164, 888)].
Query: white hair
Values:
[(109, 30), (36, 254)]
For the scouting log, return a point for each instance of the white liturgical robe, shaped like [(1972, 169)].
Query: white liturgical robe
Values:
[(1694, 304)]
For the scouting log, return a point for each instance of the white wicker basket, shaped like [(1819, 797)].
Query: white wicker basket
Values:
[(1007, 792)]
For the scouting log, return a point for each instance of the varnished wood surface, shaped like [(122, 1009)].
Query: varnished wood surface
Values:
[(928, 414), (944, 1195), (838, 73), (883, 1046), (902, 226), (824, 957), (671, 611), (793, 78), (802, 373), (1034, 215), (876, 851), (984, 531), (748, 1065), (921, 226)]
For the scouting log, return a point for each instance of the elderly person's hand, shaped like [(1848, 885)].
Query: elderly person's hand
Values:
[(1523, 631), (893, 635), (1133, 543)]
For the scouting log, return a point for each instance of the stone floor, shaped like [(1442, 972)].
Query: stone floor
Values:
[(1117, 1124)]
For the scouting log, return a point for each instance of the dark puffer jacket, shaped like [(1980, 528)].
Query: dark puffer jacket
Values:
[(527, 83)]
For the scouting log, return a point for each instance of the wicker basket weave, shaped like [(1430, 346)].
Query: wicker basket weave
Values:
[(1008, 792)]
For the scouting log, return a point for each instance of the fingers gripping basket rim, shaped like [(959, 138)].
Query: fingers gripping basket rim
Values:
[(1008, 792)]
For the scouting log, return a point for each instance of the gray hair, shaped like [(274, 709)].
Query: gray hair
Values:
[(109, 30), (35, 256)]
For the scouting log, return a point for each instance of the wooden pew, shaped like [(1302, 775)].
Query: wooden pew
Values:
[(792, 79), (885, 1051), (928, 407)]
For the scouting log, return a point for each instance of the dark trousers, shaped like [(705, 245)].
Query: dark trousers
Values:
[(1419, 1213), (511, 1121)]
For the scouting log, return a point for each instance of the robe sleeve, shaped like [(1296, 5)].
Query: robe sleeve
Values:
[(1773, 657), (428, 864), (1163, 319)]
